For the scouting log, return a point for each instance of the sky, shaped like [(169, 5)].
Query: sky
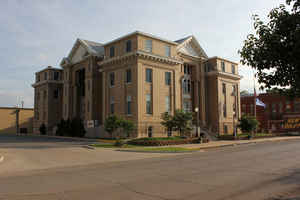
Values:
[(38, 33)]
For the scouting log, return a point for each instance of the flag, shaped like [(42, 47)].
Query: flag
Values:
[(259, 103)]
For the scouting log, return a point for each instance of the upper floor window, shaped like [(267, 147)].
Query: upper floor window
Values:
[(148, 46), (187, 69), (223, 66), (45, 94), (55, 94), (224, 88), (233, 90), (56, 76), (45, 75), (112, 78), (128, 46), (233, 69), (148, 104), (168, 78), (168, 104), (129, 105), (149, 75), (224, 110), (168, 51), (112, 105), (38, 78), (112, 51), (128, 76)]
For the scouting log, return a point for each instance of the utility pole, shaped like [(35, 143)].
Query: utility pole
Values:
[(17, 112)]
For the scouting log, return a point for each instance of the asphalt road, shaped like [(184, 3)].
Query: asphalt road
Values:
[(258, 171)]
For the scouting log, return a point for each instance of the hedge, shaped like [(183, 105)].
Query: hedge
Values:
[(162, 142)]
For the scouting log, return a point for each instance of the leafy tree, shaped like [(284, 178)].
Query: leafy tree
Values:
[(43, 129), (167, 121), (275, 48), (244, 93), (248, 124), (182, 121), (127, 126), (111, 124)]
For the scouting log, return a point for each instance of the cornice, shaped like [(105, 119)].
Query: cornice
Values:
[(140, 54), (45, 82), (225, 75)]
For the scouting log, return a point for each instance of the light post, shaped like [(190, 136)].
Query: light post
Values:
[(197, 121)]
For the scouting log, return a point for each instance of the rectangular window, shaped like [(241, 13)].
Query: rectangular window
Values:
[(148, 46), (128, 76), (167, 51), (168, 105), (112, 51), (128, 46), (224, 88), (233, 69), (149, 75), (112, 105), (223, 66), (233, 90), (112, 79), (148, 104), (45, 75), (224, 110), (129, 105), (56, 76), (55, 94), (168, 78), (225, 129)]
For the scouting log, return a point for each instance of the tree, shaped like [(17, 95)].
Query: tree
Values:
[(182, 121), (127, 126), (275, 48), (43, 129), (248, 124), (167, 121), (111, 124), (244, 93)]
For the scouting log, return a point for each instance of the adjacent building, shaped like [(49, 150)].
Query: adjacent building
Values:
[(9, 118), (139, 76), (276, 115)]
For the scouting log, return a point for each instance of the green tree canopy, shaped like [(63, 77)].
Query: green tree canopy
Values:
[(275, 48), (248, 124)]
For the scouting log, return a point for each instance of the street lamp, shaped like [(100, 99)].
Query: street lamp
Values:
[(197, 121)]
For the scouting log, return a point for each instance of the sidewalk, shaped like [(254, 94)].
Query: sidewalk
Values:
[(224, 143)]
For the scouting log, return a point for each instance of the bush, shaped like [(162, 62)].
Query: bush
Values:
[(248, 124), (119, 143), (43, 129), (162, 141), (71, 128)]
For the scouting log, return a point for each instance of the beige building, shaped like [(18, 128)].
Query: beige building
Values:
[(139, 76), (8, 120)]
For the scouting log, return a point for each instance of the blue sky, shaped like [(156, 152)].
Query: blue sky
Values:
[(36, 33)]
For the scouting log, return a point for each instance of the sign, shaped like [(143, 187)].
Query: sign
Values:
[(293, 123), (90, 124)]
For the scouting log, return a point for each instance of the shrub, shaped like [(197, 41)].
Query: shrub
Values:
[(43, 129), (248, 124), (119, 143), (71, 128), (162, 142)]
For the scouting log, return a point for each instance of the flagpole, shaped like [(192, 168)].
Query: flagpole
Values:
[(254, 98)]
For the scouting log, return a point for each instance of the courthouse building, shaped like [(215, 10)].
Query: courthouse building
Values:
[(138, 76)]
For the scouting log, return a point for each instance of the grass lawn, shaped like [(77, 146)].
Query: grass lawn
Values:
[(111, 145), (146, 149), (164, 149)]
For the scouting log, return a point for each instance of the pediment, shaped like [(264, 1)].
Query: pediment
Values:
[(191, 47), (78, 54)]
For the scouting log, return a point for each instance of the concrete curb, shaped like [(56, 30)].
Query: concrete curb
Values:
[(1, 159), (141, 151)]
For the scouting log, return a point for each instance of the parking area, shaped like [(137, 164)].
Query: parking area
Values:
[(27, 153)]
